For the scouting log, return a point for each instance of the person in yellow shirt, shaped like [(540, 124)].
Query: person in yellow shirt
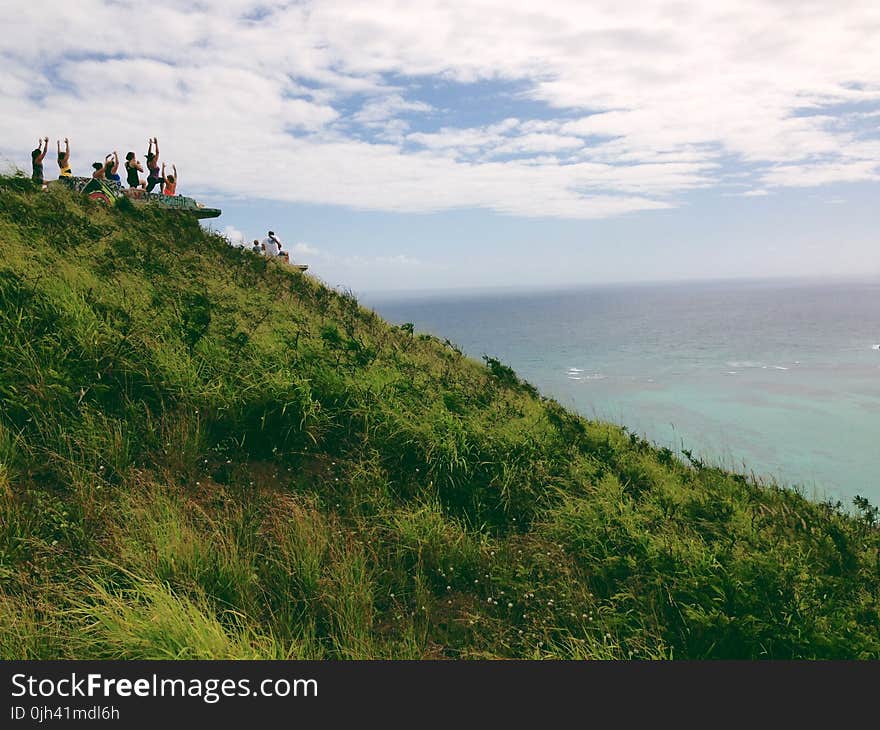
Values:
[(64, 159)]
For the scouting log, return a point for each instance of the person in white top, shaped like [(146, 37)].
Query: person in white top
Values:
[(271, 245)]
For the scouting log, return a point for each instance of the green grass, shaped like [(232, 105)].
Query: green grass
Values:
[(204, 454)]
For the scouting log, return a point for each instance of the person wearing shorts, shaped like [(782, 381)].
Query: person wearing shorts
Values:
[(154, 176)]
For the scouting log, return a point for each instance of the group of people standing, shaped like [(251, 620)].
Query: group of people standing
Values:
[(109, 168)]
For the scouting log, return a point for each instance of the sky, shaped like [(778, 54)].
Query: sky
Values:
[(430, 145)]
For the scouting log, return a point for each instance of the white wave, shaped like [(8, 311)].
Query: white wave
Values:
[(575, 370), (744, 364), (875, 347), (779, 367), (731, 372)]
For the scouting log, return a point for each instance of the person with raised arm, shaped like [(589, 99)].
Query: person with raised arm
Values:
[(111, 167), (154, 176), (98, 173), (64, 172), (170, 181), (37, 156), (271, 245)]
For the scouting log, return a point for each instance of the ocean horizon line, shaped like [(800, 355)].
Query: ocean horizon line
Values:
[(513, 289)]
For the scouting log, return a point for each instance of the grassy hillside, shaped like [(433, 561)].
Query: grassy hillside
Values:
[(206, 455)]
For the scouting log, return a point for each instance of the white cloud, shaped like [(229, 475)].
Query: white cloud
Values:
[(822, 173), (654, 99), (306, 251), (233, 235), (383, 108)]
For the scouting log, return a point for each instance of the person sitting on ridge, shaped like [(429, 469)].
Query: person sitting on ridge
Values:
[(170, 181), (98, 173), (271, 245), (154, 178), (132, 168), (111, 166), (257, 247), (64, 171), (37, 156)]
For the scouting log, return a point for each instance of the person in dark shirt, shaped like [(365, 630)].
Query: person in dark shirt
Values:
[(154, 177), (37, 156), (132, 168)]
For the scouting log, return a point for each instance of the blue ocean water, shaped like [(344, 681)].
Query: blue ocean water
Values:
[(776, 378)]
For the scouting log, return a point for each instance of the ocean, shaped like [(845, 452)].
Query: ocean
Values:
[(780, 379)]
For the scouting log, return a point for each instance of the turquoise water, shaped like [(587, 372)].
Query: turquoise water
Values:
[(780, 379)]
